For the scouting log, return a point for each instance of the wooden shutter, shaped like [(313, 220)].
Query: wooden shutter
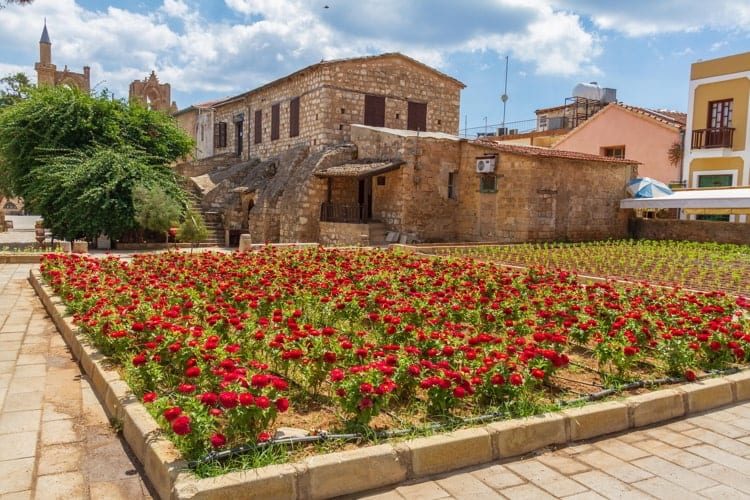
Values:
[(375, 110), (275, 115), (294, 117), (258, 126), (220, 135), (417, 116)]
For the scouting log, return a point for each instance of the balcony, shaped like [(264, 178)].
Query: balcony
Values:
[(339, 212), (719, 137)]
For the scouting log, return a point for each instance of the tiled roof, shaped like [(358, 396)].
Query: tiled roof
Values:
[(360, 168), (674, 118), (547, 152)]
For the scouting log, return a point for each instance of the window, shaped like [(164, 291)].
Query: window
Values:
[(275, 116), (258, 126), (238, 136), (720, 114), (417, 116), (374, 111), (452, 187), (488, 183), (712, 181), (613, 152), (294, 117), (380, 181), (220, 135)]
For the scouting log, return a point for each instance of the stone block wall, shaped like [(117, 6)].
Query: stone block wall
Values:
[(332, 98), (341, 234), (690, 230)]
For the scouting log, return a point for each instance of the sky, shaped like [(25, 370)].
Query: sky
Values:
[(209, 49)]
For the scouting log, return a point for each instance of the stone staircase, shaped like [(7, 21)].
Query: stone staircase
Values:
[(215, 228), (377, 232)]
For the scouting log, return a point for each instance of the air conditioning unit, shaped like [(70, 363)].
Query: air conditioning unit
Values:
[(486, 165)]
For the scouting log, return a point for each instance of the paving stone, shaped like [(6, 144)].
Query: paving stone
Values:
[(126, 489), (23, 401), (464, 485), (26, 384), (428, 490), (589, 495), (59, 432), (677, 456), (608, 486), (61, 486), (12, 422), (31, 359), (59, 458), (681, 476), (526, 491), (678, 439), (18, 445), (722, 492), (17, 475), (661, 488), (546, 478), (719, 456), (497, 477), (719, 433), (614, 466), (621, 450), (563, 464)]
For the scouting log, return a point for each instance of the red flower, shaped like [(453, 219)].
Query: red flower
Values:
[(282, 404), (459, 392), (218, 440), (365, 388), (690, 375), (209, 398), (193, 371), (516, 379), (181, 425), (262, 402), (337, 374), (263, 437), (537, 373), (229, 399), (172, 413), (186, 388), (364, 404), (139, 360), (149, 397), (497, 379)]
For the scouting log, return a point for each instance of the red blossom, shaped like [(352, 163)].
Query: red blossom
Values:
[(218, 440), (181, 425)]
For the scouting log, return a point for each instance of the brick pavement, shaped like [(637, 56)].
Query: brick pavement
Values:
[(55, 439), (704, 456)]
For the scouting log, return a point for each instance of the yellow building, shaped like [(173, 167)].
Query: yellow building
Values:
[(717, 149)]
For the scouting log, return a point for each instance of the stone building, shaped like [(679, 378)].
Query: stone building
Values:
[(155, 95), (47, 73), (317, 106)]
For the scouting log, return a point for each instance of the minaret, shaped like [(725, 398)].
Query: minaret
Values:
[(45, 70)]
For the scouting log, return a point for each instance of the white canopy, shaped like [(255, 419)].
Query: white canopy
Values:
[(698, 201)]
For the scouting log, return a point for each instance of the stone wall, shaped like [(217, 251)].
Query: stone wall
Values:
[(690, 230), (342, 234), (331, 99)]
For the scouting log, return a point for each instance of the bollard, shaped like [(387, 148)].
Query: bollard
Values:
[(80, 246), (245, 242)]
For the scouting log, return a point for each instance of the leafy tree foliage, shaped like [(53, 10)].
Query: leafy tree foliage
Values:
[(86, 193), (13, 89), (77, 159), (154, 209), (193, 228)]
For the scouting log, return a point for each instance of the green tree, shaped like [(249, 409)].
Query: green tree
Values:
[(13, 88), (154, 209), (193, 228), (86, 193), (77, 159), (4, 3)]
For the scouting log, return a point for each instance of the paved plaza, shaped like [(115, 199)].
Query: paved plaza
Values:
[(56, 441)]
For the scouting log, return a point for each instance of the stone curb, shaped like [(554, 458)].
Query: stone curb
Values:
[(20, 258), (359, 470)]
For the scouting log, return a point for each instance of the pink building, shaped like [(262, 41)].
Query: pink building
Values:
[(639, 134)]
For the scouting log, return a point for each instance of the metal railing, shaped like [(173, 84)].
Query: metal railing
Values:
[(340, 212), (717, 137)]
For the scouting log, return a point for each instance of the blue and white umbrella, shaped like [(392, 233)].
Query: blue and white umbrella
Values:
[(646, 187)]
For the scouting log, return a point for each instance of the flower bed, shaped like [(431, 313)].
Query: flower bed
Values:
[(224, 348)]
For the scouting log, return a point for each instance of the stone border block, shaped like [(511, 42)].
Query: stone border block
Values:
[(374, 467), (652, 407), (516, 437), (706, 394), (273, 481), (461, 448), (597, 420), (741, 383)]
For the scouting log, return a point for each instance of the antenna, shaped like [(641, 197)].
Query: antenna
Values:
[(504, 97)]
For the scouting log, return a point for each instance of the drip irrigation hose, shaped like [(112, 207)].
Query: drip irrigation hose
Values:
[(325, 436)]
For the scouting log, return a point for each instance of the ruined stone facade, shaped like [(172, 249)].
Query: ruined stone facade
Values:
[(317, 106), (155, 95), (47, 73)]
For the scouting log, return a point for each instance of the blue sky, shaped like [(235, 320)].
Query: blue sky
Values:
[(207, 49)]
